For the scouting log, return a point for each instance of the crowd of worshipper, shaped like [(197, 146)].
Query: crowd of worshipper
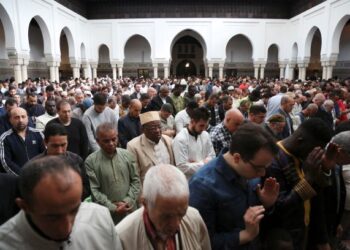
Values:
[(179, 163)]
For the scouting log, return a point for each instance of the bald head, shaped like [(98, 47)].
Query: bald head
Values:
[(135, 108), (319, 99), (233, 119), (19, 119)]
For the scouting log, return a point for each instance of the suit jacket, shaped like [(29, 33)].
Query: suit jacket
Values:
[(145, 154), (157, 103), (286, 130)]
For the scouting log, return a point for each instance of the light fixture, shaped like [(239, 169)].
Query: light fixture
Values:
[(187, 65)]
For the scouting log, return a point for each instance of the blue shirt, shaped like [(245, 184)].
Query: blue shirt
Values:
[(222, 198)]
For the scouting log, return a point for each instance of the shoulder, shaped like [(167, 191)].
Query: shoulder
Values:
[(10, 236), (135, 142), (95, 216), (130, 223), (124, 153), (92, 157), (6, 134)]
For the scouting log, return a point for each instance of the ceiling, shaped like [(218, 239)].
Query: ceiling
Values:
[(110, 9)]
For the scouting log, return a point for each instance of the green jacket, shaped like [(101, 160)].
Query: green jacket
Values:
[(113, 180)]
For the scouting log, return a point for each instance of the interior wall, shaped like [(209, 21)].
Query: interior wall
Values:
[(36, 42)]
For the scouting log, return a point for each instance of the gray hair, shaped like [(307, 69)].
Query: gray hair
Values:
[(342, 140), (166, 181)]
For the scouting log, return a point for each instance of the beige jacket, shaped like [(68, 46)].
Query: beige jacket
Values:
[(194, 234), (145, 155)]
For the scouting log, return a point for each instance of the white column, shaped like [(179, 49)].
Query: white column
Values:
[(25, 69), (57, 77), (52, 73), (262, 71), (329, 72), (301, 69), (210, 69), (282, 70), (206, 70), (114, 68), (256, 70), (221, 70), (324, 72), (155, 70), (86, 70), (18, 73), (166, 70), (76, 70), (120, 71)]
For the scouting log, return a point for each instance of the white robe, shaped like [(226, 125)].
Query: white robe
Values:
[(93, 229)]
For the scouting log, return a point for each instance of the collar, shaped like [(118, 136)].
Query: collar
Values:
[(225, 169), (194, 134)]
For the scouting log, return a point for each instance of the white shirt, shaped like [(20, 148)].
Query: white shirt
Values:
[(42, 120), (93, 229), (182, 119), (161, 152), (190, 152)]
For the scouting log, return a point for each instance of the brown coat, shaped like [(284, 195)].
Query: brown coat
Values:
[(145, 154)]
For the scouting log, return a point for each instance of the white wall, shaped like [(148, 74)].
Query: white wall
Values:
[(160, 33)]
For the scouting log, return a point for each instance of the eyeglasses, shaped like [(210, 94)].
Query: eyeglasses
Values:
[(257, 167)]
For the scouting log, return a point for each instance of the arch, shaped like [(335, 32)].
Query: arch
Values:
[(242, 47), (337, 33), (186, 68), (272, 66), (36, 42), (82, 52), (45, 33), (140, 51), (70, 41), (8, 29), (272, 50), (191, 33), (103, 54), (308, 41), (295, 52)]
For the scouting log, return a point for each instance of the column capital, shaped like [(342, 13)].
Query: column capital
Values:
[(154, 65), (166, 65), (210, 65), (75, 65), (93, 64)]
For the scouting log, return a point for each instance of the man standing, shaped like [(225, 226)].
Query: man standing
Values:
[(114, 180), (223, 193), (78, 142), (31, 105), (165, 221), (167, 120), (56, 142), (95, 115), (20, 143), (257, 114), (287, 104), (182, 118), (192, 146), (53, 216), (129, 125), (151, 148), (51, 113), (162, 98), (302, 168), (221, 134)]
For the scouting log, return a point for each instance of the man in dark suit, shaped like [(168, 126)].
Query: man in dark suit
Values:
[(287, 104), (162, 98), (137, 92)]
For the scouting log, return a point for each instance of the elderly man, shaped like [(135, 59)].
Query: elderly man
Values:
[(165, 221), (95, 115), (129, 125), (192, 146), (161, 98), (321, 113), (308, 112), (52, 215), (275, 125), (114, 179), (223, 193), (221, 134), (19, 144), (287, 104), (151, 148)]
